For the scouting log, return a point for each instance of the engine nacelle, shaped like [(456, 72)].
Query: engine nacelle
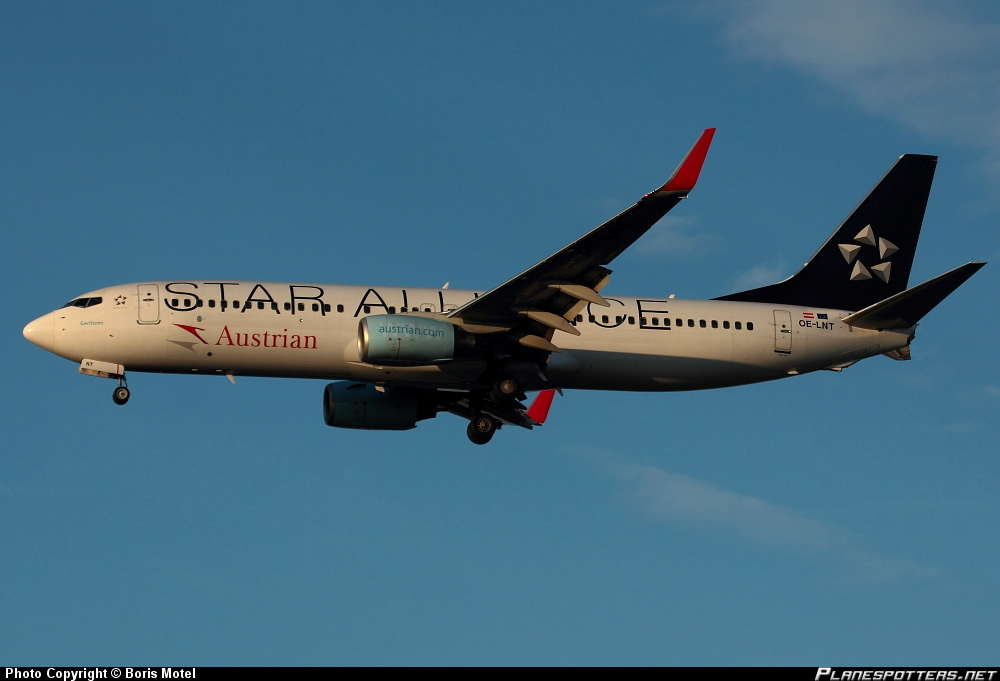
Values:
[(347, 404), (406, 340)]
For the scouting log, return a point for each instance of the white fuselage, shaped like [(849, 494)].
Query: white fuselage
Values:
[(311, 331)]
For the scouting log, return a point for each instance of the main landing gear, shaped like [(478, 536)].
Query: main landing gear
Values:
[(505, 390), (503, 394), (121, 393), (481, 428)]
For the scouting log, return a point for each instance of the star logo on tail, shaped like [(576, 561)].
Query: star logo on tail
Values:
[(866, 237)]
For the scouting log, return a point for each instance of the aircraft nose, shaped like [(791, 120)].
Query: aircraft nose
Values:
[(41, 332)]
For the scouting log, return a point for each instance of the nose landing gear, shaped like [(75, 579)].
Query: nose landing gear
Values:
[(93, 367), (121, 393)]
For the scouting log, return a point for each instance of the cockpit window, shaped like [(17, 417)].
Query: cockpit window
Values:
[(84, 302)]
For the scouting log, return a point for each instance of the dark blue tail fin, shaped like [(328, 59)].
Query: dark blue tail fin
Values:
[(869, 257)]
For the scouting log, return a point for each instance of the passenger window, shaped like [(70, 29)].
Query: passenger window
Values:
[(315, 307), (199, 303), (666, 321), (715, 324), (402, 309), (187, 302), (288, 307), (222, 304), (680, 322), (340, 308), (725, 325), (642, 321), (236, 304), (392, 310), (631, 320), (368, 309), (749, 326), (618, 320), (656, 321), (326, 307), (211, 303), (593, 319), (604, 319), (701, 323), (260, 304), (302, 307), (690, 322), (173, 301), (738, 325), (579, 318)]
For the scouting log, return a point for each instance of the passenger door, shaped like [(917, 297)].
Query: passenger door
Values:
[(149, 304), (783, 332)]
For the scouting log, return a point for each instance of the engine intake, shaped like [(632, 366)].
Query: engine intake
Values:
[(406, 340)]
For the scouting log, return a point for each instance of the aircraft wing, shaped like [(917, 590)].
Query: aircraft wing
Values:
[(544, 297)]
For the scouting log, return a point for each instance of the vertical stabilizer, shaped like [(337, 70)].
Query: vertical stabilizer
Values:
[(870, 255)]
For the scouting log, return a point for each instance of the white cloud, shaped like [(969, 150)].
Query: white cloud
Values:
[(925, 65), (761, 275), (682, 499), (674, 236)]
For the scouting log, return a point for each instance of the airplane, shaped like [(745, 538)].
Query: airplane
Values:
[(397, 356)]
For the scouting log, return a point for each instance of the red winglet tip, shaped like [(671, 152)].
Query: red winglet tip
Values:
[(686, 175), (539, 408)]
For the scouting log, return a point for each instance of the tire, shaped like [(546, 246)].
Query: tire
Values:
[(505, 390), (120, 395), (481, 429)]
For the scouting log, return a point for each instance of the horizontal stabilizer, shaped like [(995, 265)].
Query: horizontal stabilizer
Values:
[(905, 309)]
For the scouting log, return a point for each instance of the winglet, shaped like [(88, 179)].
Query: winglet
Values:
[(686, 175), (539, 408)]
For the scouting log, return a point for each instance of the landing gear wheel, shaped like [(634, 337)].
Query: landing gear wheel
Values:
[(481, 429), (505, 390), (120, 395)]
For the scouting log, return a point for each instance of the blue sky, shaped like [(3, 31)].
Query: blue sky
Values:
[(824, 519)]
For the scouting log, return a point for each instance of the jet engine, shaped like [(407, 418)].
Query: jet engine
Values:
[(347, 404), (408, 341)]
